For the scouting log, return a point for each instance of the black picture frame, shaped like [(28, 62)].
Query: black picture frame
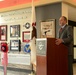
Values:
[(15, 45), (15, 31)]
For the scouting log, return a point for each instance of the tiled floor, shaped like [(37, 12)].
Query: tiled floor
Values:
[(9, 72), (14, 73)]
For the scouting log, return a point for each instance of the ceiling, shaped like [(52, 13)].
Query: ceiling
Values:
[(1, 0), (71, 10), (72, 13)]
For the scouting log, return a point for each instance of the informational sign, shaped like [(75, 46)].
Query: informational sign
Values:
[(16, 16), (27, 48), (41, 44)]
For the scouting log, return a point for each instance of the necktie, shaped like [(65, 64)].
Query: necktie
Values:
[(60, 30)]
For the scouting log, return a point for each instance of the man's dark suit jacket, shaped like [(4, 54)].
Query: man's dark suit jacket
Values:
[(67, 36)]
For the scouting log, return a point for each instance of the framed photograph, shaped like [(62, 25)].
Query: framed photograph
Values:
[(3, 32), (15, 31), (15, 45), (48, 29), (26, 36)]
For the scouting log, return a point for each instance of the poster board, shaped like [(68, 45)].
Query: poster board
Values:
[(48, 29)]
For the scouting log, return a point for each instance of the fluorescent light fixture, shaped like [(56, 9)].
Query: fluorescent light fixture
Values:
[(1, 0)]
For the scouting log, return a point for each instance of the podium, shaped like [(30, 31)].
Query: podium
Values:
[(51, 59)]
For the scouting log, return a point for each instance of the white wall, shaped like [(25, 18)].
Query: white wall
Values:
[(14, 18)]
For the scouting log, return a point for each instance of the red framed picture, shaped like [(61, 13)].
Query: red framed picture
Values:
[(3, 32), (26, 36)]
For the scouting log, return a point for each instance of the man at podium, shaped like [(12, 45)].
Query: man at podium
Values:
[(66, 37)]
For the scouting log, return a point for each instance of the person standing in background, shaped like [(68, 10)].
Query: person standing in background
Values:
[(66, 38)]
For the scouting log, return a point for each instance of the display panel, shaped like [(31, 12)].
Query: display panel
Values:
[(15, 45), (48, 28)]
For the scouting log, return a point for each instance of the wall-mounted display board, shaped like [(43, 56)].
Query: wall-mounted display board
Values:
[(27, 48), (15, 45), (26, 36), (48, 28)]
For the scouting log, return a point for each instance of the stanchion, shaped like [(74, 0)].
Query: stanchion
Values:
[(5, 70), (4, 56), (4, 61)]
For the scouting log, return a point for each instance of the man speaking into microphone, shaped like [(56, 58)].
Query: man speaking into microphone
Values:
[(66, 37)]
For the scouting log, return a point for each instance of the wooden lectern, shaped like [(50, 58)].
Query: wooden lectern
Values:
[(51, 59)]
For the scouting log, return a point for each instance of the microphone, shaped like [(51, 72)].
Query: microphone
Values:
[(46, 31)]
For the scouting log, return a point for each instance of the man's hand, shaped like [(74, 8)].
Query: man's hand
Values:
[(59, 41)]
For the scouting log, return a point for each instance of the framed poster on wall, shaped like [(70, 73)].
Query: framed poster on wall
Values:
[(48, 28), (15, 45), (3, 32), (26, 36), (14, 30), (27, 48)]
